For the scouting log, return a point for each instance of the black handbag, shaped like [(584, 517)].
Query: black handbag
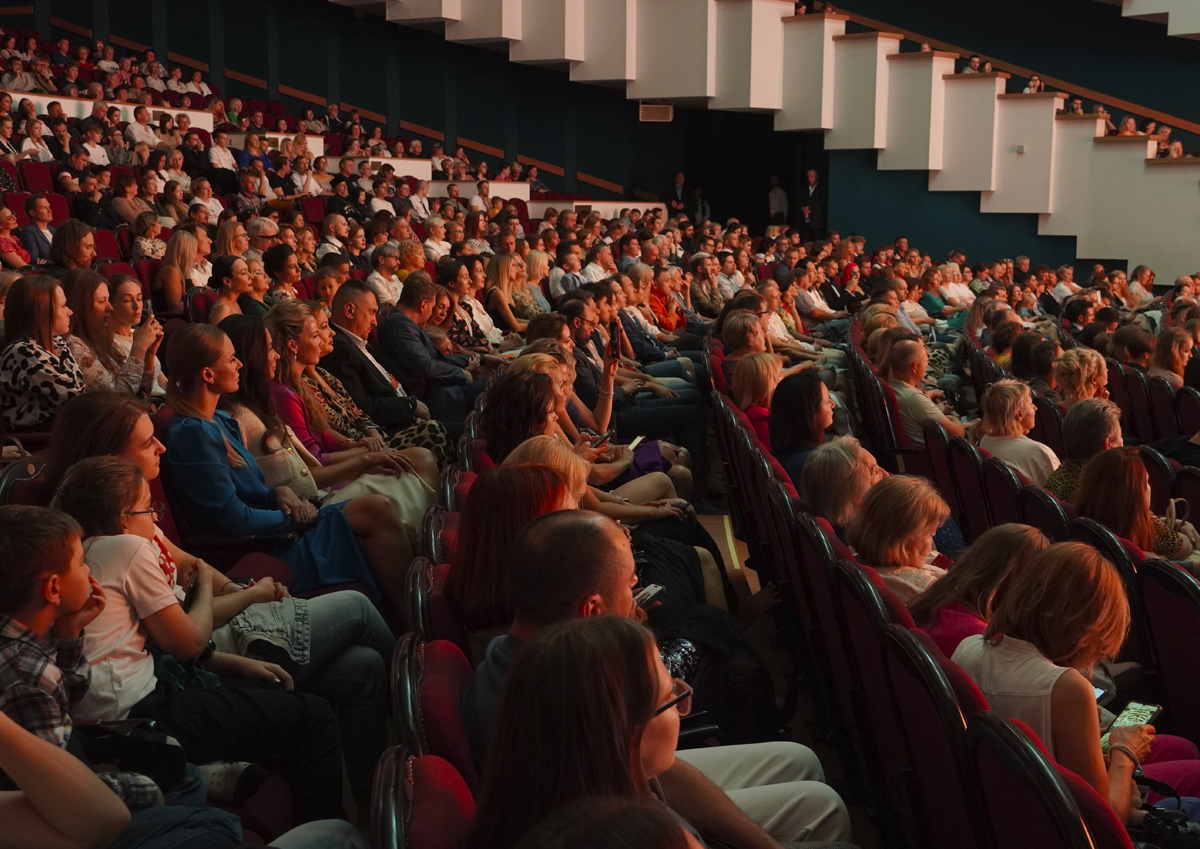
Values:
[(1163, 828), (135, 745)]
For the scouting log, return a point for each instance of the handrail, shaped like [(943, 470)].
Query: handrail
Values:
[(999, 65)]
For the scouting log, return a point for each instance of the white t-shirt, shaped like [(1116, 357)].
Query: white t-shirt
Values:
[(810, 300), (381, 205), (96, 154), (1029, 457), (436, 250), (481, 203), (136, 586)]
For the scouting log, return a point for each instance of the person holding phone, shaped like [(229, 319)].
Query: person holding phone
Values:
[(1051, 623)]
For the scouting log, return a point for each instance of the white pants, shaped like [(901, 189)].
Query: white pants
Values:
[(781, 786)]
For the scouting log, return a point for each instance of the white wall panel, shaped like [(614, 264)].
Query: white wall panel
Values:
[(609, 41), (969, 134), (487, 20), (860, 90), (808, 71), (424, 11), (916, 110), (749, 54), (1074, 192), (676, 50), (1024, 154), (551, 31)]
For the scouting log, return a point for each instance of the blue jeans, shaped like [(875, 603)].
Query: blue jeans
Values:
[(183, 822), (350, 647), (667, 369), (322, 834)]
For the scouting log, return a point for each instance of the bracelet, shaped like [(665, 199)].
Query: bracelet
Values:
[(1137, 765), (606, 395), (621, 499)]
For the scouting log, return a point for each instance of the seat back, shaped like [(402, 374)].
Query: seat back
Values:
[(1040, 509), (313, 209), (106, 246), (966, 463), (58, 208), (147, 270), (444, 621), (1162, 478), (937, 444), (198, 303), (1047, 427), (933, 727), (1121, 553), (1162, 407), (1019, 799), (1187, 409), (22, 482), (445, 672), (1003, 491), (1137, 392), (419, 802), (35, 176), (1187, 486), (1117, 394), (1171, 598)]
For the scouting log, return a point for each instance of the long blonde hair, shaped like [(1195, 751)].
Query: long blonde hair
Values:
[(755, 379), (181, 252), (285, 321), (545, 450), (223, 244), (893, 518)]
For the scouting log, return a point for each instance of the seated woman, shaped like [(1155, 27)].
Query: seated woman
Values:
[(282, 267), (742, 334), (1091, 426), (92, 339), (754, 382), (801, 413), (12, 253), (1114, 490), (957, 606), (1080, 373), (177, 273), (110, 499), (1050, 623), (1003, 337), (892, 532), (934, 305), (345, 417), (254, 302), (359, 540), (38, 372), (231, 278), (507, 296), (1033, 362), (463, 328), (1133, 347), (146, 242), (629, 823), (1008, 416), (615, 466), (835, 480), (126, 321), (406, 477), (1171, 354), (594, 691), (125, 200)]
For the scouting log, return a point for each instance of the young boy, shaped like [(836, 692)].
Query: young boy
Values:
[(47, 598)]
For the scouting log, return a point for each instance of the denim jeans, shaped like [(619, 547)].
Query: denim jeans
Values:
[(667, 369), (351, 646), (183, 822), (323, 834)]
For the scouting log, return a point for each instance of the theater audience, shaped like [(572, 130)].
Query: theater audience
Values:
[(1114, 490), (38, 372), (754, 383), (1008, 416), (1171, 355), (1051, 622), (1079, 374), (892, 532), (958, 605), (835, 479)]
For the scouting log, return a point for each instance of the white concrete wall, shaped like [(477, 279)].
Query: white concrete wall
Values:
[(749, 54), (860, 91), (1024, 154), (424, 11), (916, 111), (971, 112), (551, 31), (609, 41), (487, 20), (676, 50), (808, 72), (1073, 145)]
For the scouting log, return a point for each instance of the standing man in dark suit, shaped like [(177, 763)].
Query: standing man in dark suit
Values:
[(355, 364), (678, 195), (446, 381), (814, 207)]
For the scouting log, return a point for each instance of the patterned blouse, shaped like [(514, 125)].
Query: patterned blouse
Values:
[(348, 419), (10, 244), (35, 383), (130, 377), (465, 331)]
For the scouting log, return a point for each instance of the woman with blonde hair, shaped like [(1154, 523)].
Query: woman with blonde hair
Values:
[(231, 239), (1078, 374), (1008, 416), (958, 605), (892, 532), (174, 275), (754, 380), (1171, 355), (881, 320), (306, 247), (537, 267), (505, 295), (1051, 623), (835, 478)]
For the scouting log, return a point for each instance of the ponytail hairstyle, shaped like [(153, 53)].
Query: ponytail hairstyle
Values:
[(286, 320), (193, 348)]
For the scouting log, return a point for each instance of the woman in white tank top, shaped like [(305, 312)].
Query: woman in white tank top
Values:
[(1052, 620)]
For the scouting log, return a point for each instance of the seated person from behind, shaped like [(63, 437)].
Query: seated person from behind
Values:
[(892, 532), (754, 382), (836, 478), (1091, 426), (801, 413), (550, 592), (1171, 355), (906, 366), (956, 606), (1008, 416)]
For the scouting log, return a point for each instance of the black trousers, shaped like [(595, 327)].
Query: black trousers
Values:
[(256, 722)]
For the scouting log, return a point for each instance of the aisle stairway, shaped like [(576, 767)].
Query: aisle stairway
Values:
[(754, 55), (1182, 17)]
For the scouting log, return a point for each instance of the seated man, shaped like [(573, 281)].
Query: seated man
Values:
[(446, 381), (357, 365), (37, 236), (906, 366), (47, 599), (772, 791), (71, 171)]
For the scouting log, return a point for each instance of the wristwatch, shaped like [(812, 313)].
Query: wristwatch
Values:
[(208, 651)]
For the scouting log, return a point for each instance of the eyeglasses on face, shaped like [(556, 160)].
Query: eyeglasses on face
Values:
[(681, 699), (157, 508)]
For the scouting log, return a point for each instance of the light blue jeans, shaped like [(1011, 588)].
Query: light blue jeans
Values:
[(183, 822), (322, 834)]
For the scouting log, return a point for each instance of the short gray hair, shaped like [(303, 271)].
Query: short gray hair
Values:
[(258, 227), (1087, 425), (435, 221)]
